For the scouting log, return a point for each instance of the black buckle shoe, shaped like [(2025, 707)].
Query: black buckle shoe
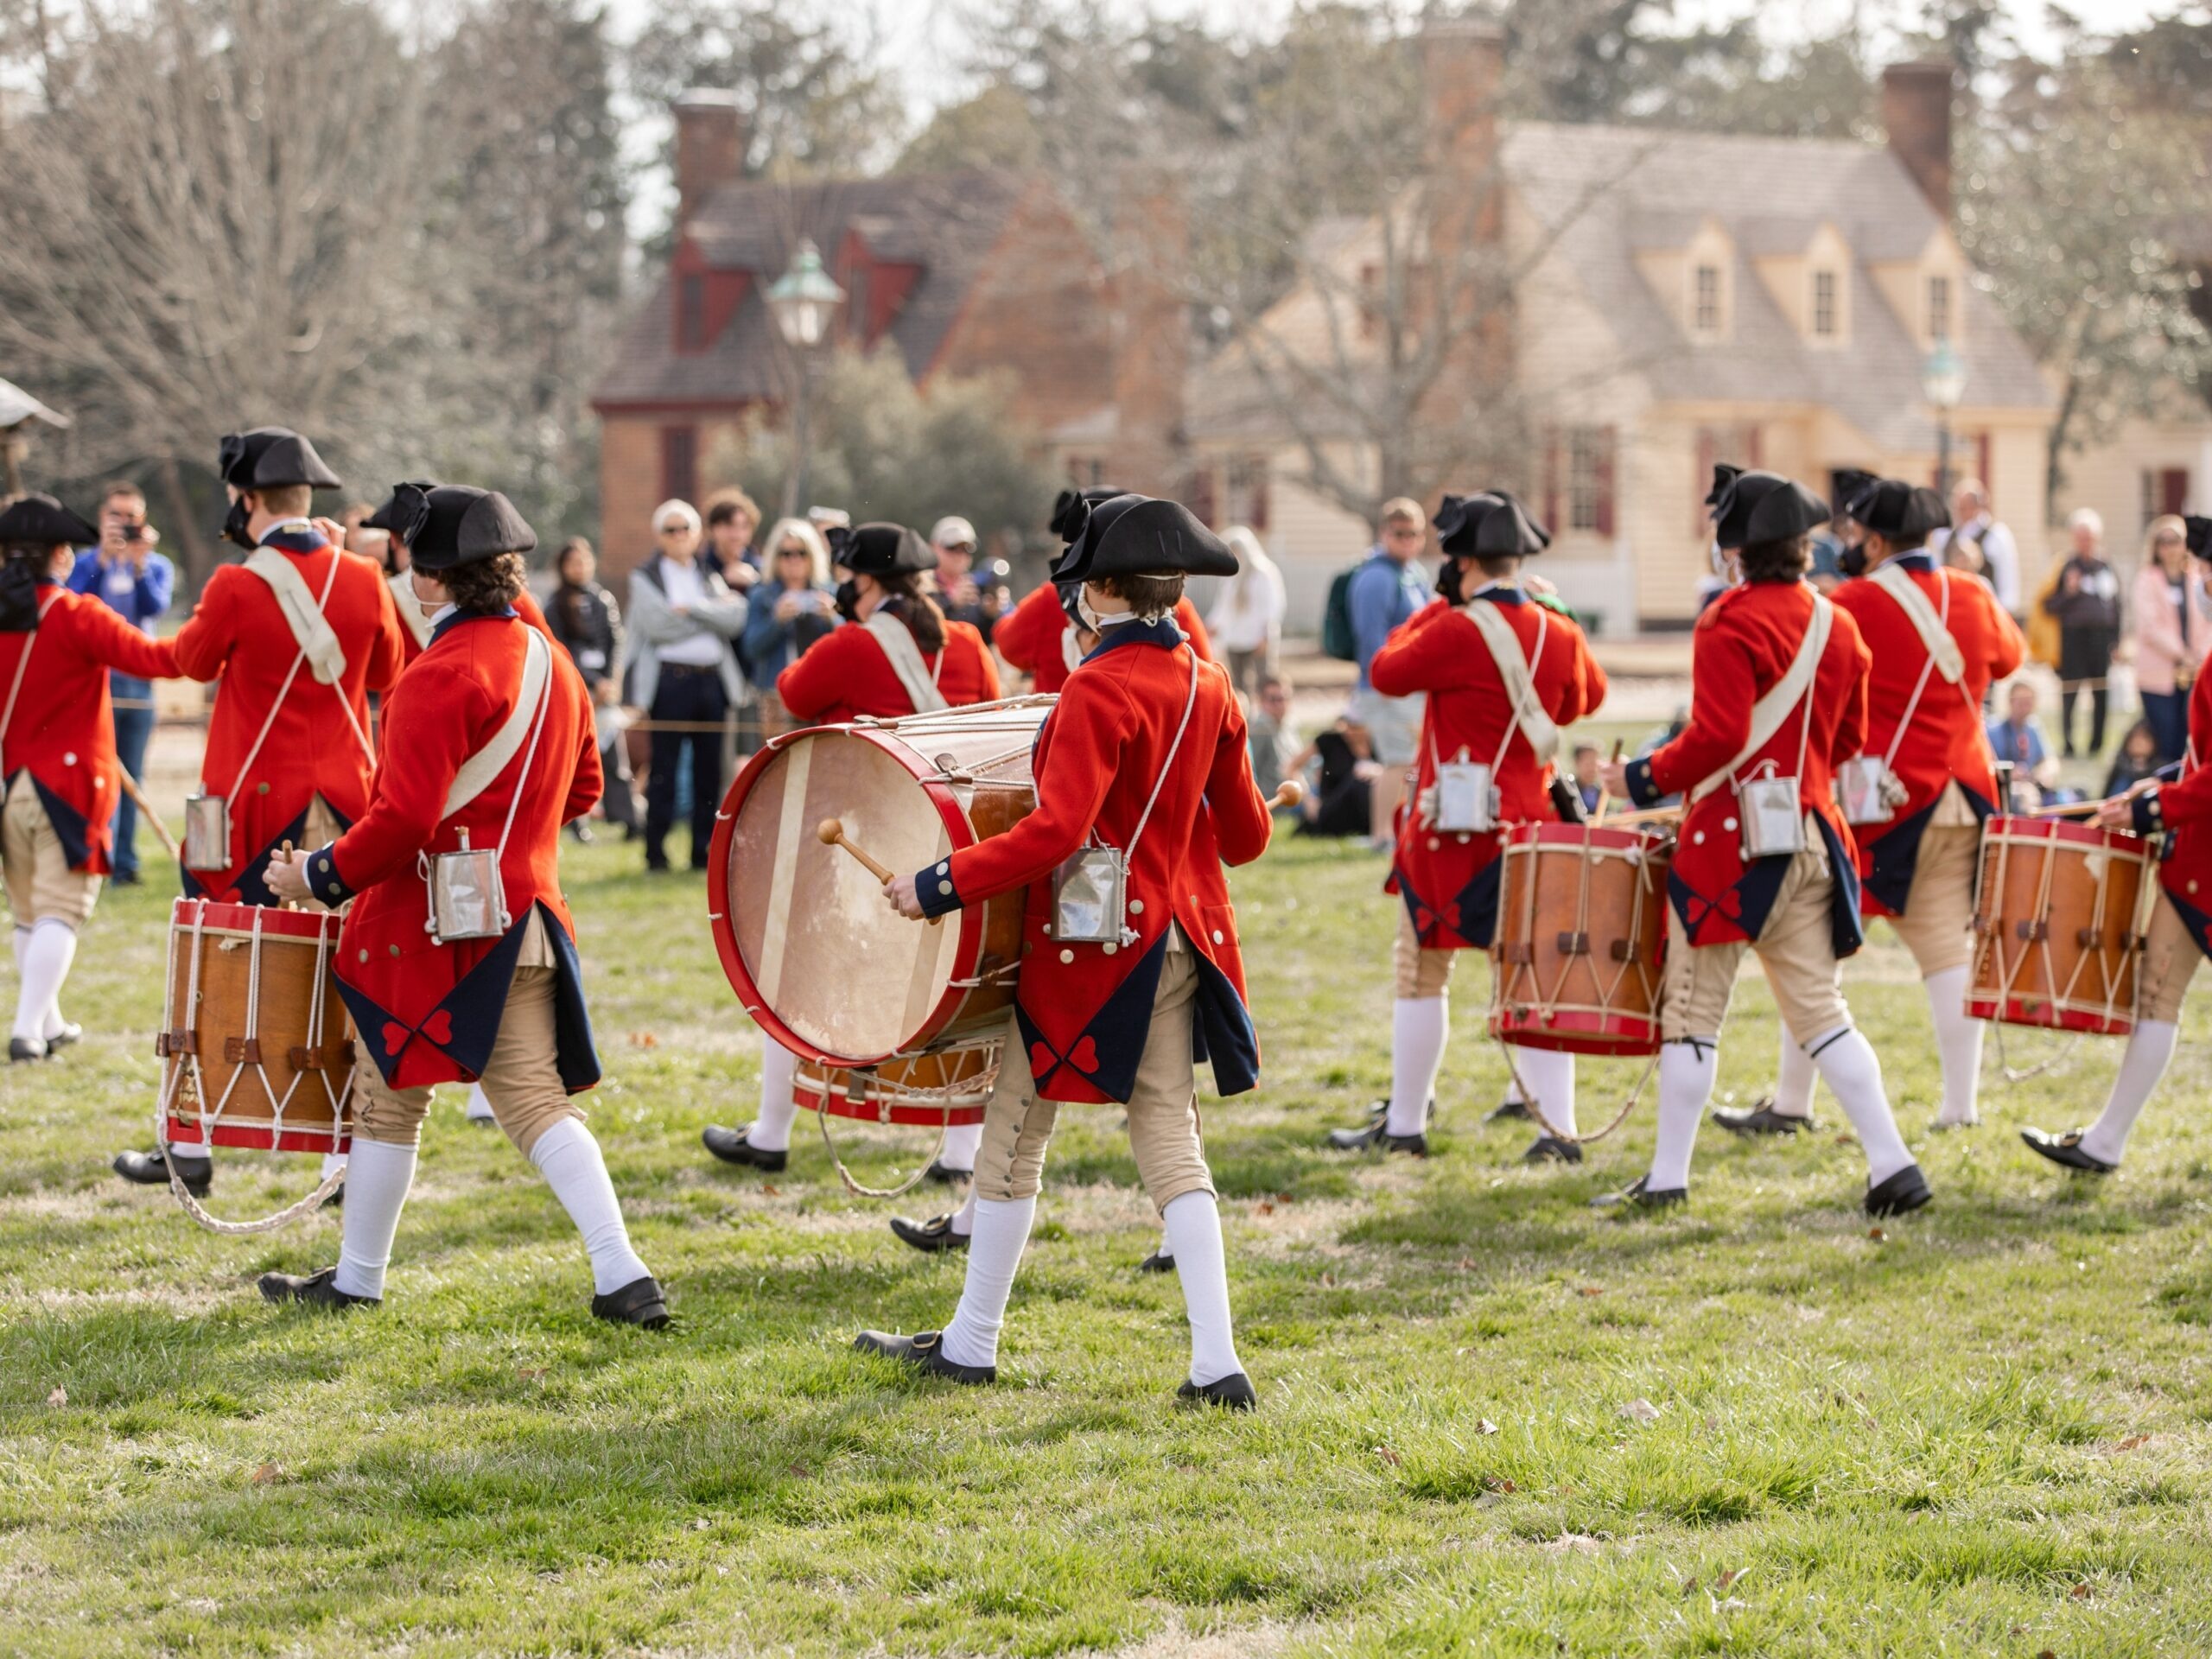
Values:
[(2066, 1149), (1374, 1132), (1157, 1261), (25, 1048), (921, 1352), (1640, 1196), (149, 1169), (1762, 1119), (1902, 1193), (1550, 1149), (945, 1175), (316, 1290), (928, 1237), (732, 1147), (1509, 1111), (1231, 1392), (64, 1037), (640, 1302)]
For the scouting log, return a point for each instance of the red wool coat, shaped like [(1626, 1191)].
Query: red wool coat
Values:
[(845, 674), (1085, 1009), (2183, 808), (1743, 643), (1449, 881), (62, 730), (1946, 739), (237, 633), (1031, 637), (429, 1012)]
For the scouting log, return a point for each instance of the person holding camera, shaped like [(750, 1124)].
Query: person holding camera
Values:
[(125, 572)]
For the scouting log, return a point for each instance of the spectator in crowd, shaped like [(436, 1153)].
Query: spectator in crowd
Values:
[(732, 518), (2018, 742), (683, 673), (1341, 801), (587, 623), (959, 595), (2136, 758), (2086, 603), (1246, 620), (1383, 594), (1976, 542), (1589, 775), (1275, 750), (793, 607), (2170, 635), (137, 583)]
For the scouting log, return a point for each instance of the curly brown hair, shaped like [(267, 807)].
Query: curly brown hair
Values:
[(1783, 561), (486, 586)]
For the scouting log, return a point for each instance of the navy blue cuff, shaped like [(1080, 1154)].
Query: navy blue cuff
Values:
[(933, 886), (1641, 791), (323, 880), (2149, 819), (2169, 773)]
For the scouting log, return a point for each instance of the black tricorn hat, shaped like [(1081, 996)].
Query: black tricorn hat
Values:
[(445, 525), (1488, 525), (1897, 512), (880, 549), (1144, 536), (1849, 482), (271, 458), (2198, 531), (1754, 507), (1067, 515), (40, 521)]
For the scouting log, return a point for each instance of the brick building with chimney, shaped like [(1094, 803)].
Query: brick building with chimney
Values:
[(965, 274)]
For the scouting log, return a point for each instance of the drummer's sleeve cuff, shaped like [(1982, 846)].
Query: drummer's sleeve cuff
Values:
[(2149, 818), (933, 888), (323, 880), (2169, 773), (1641, 790)]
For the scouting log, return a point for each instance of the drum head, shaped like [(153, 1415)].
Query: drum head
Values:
[(826, 954)]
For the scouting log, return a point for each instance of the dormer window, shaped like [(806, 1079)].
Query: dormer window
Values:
[(1939, 308), (1825, 321), (1705, 300)]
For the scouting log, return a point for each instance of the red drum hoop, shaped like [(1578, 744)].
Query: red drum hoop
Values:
[(949, 1088), (1581, 942), (2060, 914), (258, 1048), (816, 955)]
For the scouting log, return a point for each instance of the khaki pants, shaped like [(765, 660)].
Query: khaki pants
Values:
[(1937, 926), (522, 1078), (1421, 974), (1164, 1130), (1796, 949), (2168, 964), (40, 885), (321, 826)]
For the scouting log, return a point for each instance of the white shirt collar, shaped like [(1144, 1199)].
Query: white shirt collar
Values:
[(443, 611)]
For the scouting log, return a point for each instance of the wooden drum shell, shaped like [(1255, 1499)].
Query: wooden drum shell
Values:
[(1578, 964), (964, 1076), (2060, 910)]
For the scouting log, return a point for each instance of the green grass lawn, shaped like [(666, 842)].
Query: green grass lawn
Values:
[(1983, 1430)]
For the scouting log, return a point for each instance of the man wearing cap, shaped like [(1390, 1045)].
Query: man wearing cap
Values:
[(895, 655), (57, 753), (958, 594), (296, 635), (488, 744), (1143, 761), (1764, 860), (1503, 675), (1927, 778), (2177, 803)]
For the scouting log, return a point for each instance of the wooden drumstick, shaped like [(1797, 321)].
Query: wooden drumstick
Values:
[(146, 809), (1605, 795), (832, 832), (1289, 792)]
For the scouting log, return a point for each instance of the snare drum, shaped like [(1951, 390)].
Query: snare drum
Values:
[(951, 1087), (257, 1050), (819, 959), (2059, 922), (1581, 938)]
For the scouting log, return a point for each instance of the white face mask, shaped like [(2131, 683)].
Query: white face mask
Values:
[(1098, 621)]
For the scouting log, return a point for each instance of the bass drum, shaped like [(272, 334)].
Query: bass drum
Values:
[(818, 958)]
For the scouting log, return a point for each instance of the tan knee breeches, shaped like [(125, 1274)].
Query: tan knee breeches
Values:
[(321, 826), (522, 1079), (2168, 964), (1420, 974), (1163, 1129), (40, 882), (1796, 949), (1937, 926)]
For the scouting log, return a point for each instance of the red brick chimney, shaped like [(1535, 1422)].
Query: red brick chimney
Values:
[(1462, 63), (1151, 336), (709, 147), (1916, 115)]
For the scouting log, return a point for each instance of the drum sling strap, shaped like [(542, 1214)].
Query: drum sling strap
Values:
[(1772, 708), (916, 675), (1519, 675), (468, 895)]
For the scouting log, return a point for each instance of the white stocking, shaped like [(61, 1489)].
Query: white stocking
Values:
[(993, 1253), (962, 1142), (1854, 1074), (378, 1176), (1193, 1223), (963, 1219), (1418, 1028), (2140, 1068), (1958, 1040), (1686, 1074), (1549, 1075), (46, 958), (771, 1130), (1794, 1078), (568, 1157), (478, 1108)]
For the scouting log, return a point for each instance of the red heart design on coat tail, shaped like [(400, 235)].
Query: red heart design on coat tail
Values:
[(438, 1027), (395, 1037), (1040, 1059), (1084, 1057)]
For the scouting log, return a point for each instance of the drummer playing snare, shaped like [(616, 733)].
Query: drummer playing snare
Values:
[(1504, 673), (2177, 804), (1130, 968), (1764, 862)]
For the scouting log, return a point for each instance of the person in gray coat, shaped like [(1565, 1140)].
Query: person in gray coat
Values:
[(683, 672)]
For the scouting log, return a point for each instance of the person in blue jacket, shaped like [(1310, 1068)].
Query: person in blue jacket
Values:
[(137, 583)]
